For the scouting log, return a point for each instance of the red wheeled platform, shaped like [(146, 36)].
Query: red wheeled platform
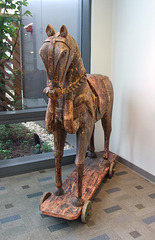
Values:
[(94, 172)]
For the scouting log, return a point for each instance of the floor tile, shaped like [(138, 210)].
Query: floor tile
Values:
[(139, 187), (10, 205), (58, 227), (10, 219), (112, 190), (112, 209), (101, 237), (32, 195), (135, 234), (45, 179), (121, 173), (149, 220), (139, 206), (123, 208), (25, 186), (97, 200), (152, 195)]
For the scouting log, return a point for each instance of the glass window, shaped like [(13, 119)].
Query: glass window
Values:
[(56, 13)]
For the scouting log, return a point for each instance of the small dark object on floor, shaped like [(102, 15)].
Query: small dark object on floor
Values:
[(36, 139), (37, 144)]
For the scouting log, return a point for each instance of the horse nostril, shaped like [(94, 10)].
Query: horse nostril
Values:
[(46, 90)]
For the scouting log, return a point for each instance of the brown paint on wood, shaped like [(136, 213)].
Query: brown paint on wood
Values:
[(76, 102), (94, 172)]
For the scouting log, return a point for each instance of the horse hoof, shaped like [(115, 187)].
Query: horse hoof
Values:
[(92, 154), (58, 191), (78, 202), (106, 156)]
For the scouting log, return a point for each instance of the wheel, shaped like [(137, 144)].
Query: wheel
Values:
[(86, 212), (44, 197), (111, 169)]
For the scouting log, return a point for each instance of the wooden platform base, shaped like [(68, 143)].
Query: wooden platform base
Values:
[(94, 172)]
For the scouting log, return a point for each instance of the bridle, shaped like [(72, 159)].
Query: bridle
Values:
[(56, 93)]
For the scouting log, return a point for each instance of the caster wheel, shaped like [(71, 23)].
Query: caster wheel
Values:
[(86, 212), (111, 169), (44, 197)]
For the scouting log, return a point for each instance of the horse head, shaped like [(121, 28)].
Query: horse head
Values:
[(65, 74), (57, 53)]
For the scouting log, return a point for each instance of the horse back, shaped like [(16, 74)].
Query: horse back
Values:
[(102, 88)]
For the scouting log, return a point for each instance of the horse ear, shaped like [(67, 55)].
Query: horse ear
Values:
[(50, 30), (63, 31)]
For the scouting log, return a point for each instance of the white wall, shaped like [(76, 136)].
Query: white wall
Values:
[(133, 77), (101, 41)]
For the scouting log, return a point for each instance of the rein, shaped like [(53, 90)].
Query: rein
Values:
[(59, 92)]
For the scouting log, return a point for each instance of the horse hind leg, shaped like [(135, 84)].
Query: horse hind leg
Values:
[(106, 124), (92, 153)]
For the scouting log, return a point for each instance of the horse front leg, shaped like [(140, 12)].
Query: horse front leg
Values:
[(83, 138), (59, 141)]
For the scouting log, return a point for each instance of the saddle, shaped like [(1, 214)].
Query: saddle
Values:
[(98, 87)]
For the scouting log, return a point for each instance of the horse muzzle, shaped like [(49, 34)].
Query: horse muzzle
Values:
[(54, 94)]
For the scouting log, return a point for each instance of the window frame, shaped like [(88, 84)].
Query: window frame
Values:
[(45, 160)]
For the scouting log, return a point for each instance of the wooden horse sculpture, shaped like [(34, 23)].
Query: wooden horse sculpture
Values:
[(76, 102)]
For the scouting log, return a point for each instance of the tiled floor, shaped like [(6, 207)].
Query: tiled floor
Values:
[(123, 208)]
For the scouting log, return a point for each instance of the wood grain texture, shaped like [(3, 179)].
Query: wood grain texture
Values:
[(94, 172)]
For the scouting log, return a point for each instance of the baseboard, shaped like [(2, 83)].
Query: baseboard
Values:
[(138, 170), (38, 162), (33, 163)]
